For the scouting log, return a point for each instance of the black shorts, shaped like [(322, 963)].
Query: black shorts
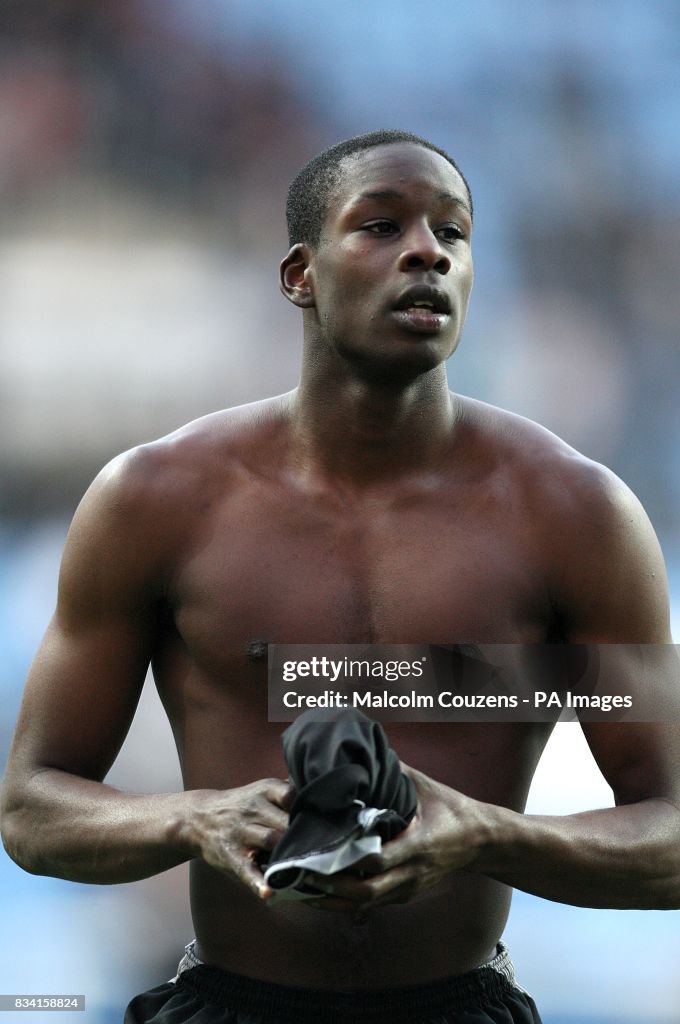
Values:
[(207, 995)]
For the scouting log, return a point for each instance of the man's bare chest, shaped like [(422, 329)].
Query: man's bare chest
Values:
[(408, 571)]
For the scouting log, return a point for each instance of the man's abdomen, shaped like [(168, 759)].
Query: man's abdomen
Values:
[(449, 930)]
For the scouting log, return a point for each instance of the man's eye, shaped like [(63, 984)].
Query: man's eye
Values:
[(381, 227), (452, 233)]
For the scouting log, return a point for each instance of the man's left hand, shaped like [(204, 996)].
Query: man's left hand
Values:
[(445, 835)]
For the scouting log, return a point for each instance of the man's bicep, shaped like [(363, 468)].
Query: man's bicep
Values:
[(639, 760), (80, 697), (611, 584), (86, 678)]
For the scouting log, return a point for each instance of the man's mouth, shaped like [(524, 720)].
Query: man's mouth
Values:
[(424, 296), (423, 309)]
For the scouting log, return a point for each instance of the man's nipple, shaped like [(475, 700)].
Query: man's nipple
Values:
[(257, 650)]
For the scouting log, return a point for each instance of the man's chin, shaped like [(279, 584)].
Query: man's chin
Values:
[(395, 367)]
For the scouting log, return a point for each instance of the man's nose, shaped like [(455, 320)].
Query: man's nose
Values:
[(424, 251)]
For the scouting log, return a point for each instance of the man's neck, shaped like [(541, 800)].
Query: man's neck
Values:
[(362, 431)]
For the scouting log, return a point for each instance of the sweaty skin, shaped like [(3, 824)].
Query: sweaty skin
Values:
[(370, 505)]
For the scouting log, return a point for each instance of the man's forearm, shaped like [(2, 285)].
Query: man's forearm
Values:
[(622, 857), (84, 831)]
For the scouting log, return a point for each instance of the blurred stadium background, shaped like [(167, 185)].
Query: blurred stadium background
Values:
[(145, 151)]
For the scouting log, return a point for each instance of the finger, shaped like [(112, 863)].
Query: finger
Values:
[(372, 864), (260, 837), (261, 811), (280, 792), (343, 886), (416, 776), (402, 894), (420, 781), (288, 797), (245, 869), (390, 882), (369, 892), (404, 847)]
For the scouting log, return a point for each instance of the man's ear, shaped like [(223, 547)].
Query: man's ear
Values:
[(295, 276)]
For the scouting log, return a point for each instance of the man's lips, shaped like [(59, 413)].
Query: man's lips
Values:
[(421, 320), (422, 309), (424, 296)]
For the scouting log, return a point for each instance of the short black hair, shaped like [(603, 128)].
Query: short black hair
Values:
[(311, 190)]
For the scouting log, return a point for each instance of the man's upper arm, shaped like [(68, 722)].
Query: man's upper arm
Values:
[(612, 590), (609, 581), (85, 680)]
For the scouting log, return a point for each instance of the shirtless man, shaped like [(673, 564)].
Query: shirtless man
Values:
[(369, 505)]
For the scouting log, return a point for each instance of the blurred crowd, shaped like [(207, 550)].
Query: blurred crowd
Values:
[(145, 151), (144, 156)]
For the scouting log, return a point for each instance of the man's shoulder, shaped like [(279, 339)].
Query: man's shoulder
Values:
[(599, 556), (157, 490), (545, 468), (210, 448)]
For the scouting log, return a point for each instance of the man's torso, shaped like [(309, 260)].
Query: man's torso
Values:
[(268, 554)]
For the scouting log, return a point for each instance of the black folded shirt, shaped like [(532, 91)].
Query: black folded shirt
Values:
[(351, 796)]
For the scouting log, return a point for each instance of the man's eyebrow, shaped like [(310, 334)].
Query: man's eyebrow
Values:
[(391, 193), (456, 200), (387, 193)]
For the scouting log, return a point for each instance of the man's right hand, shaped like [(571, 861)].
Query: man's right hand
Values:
[(228, 829)]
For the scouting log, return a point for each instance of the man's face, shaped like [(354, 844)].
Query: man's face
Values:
[(392, 274)]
